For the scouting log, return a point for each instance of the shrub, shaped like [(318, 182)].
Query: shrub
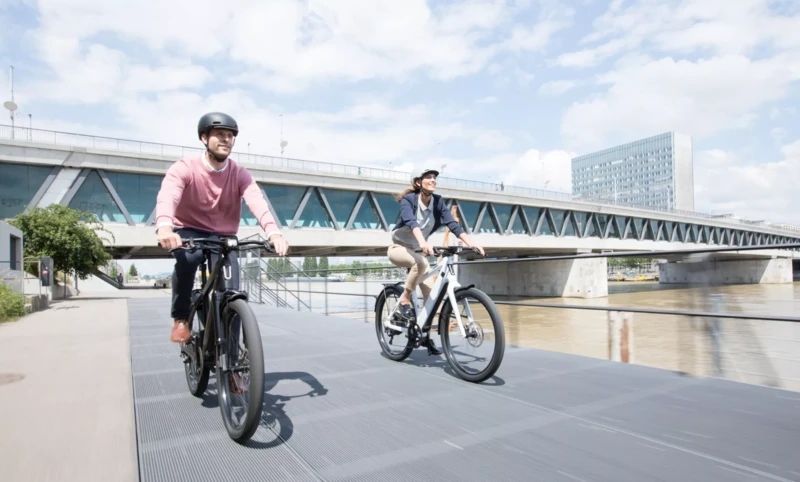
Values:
[(12, 304)]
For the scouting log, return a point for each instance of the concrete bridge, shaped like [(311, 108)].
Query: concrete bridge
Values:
[(337, 210)]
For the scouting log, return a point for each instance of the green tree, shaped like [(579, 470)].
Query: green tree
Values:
[(112, 272), (310, 265), (133, 271), (356, 271), (287, 267), (70, 237), (323, 266)]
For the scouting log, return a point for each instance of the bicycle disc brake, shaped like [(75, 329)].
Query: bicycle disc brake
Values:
[(475, 334)]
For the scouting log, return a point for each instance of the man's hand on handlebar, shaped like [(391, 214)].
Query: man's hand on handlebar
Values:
[(279, 244), (168, 239)]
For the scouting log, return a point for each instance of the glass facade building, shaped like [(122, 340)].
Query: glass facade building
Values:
[(652, 173)]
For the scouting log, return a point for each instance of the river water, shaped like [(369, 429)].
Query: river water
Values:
[(753, 351)]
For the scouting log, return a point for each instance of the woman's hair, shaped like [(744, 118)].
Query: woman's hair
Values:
[(415, 187)]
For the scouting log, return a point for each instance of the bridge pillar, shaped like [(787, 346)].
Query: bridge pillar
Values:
[(727, 272), (573, 278)]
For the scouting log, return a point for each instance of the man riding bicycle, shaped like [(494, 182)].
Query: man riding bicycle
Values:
[(421, 214), (201, 196)]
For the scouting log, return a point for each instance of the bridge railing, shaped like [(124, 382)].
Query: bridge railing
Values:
[(703, 330), (170, 150)]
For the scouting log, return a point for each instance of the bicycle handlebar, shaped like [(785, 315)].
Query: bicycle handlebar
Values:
[(231, 244), (450, 250)]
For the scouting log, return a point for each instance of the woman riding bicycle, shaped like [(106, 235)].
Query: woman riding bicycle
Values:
[(421, 213)]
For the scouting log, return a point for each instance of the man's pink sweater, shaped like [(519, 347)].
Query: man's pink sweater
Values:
[(193, 195)]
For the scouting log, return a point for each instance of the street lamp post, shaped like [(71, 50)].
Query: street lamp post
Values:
[(10, 104)]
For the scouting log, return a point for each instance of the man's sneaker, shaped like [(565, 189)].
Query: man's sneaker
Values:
[(180, 331)]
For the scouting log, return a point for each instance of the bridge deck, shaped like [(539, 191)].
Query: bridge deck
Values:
[(335, 409)]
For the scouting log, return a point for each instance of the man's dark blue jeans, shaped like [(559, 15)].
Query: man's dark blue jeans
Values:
[(185, 271)]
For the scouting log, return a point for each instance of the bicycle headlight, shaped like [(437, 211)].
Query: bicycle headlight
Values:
[(231, 242)]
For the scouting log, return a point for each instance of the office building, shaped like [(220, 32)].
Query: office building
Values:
[(652, 173)]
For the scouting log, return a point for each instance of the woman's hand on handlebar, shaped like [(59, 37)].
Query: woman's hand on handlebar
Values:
[(479, 249), (427, 248), (168, 239)]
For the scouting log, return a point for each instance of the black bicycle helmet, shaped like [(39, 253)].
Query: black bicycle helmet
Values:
[(218, 120)]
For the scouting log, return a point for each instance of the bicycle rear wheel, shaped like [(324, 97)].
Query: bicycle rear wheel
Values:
[(241, 387), (485, 340), (394, 350)]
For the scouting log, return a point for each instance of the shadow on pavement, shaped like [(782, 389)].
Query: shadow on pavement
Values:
[(274, 417), (420, 358)]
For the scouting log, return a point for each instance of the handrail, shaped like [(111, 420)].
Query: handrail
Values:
[(654, 311), (173, 150), (271, 294)]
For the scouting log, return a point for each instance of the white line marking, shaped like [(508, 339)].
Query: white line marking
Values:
[(651, 446), (453, 445), (571, 476)]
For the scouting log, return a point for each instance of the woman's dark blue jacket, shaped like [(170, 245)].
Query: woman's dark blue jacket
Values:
[(441, 215)]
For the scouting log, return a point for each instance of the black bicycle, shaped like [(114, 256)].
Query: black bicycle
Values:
[(214, 345)]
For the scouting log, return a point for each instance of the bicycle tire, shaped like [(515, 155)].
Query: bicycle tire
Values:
[(379, 303), (497, 325), (197, 376), (252, 336)]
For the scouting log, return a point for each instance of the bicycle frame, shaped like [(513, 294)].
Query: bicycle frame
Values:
[(210, 298), (447, 273), (214, 300)]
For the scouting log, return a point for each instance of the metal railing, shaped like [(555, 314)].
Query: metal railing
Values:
[(260, 292), (170, 150)]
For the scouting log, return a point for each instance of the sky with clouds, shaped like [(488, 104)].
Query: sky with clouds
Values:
[(500, 90)]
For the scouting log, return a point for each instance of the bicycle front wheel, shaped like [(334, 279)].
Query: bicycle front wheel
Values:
[(196, 372), (241, 388), (476, 356)]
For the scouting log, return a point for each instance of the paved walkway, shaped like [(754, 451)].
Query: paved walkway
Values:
[(71, 417), (335, 409)]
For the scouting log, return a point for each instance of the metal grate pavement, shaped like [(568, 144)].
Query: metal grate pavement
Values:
[(335, 409)]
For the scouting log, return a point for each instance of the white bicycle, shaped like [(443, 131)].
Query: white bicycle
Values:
[(468, 332)]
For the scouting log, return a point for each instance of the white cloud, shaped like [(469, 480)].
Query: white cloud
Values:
[(719, 27), (778, 134), (557, 87), (752, 189), (286, 45), (535, 169), (700, 98), (366, 134), (487, 100), (491, 140), (551, 170), (101, 74)]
